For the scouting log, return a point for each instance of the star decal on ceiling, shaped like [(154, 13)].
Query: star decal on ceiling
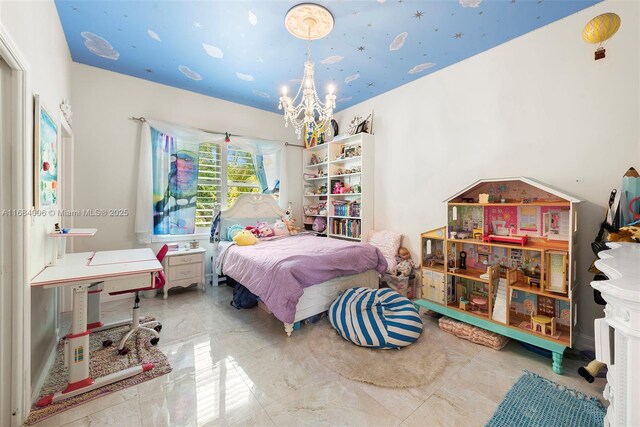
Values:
[(196, 24), (75, 9), (148, 70), (458, 36), (371, 84), (418, 15), (355, 12), (361, 48)]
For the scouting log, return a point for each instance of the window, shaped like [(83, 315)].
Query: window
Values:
[(240, 175), (208, 197)]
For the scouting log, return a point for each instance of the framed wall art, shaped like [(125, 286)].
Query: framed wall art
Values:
[(45, 155)]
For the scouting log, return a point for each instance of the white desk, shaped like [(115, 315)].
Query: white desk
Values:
[(76, 270)]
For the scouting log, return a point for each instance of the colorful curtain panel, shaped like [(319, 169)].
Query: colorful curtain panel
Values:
[(175, 184)]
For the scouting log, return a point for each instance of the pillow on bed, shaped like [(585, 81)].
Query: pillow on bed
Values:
[(226, 223), (388, 242)]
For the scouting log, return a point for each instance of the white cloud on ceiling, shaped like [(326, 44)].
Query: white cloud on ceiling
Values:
[(421, 67), (99, 46), (351, 78), (347, 99), (261, 94), (381, 1), (213, 51), (253, 19), (245, 77), (295, 81), (398, 42), (189, 73), (332, 59), (470, 3), (154, 35)]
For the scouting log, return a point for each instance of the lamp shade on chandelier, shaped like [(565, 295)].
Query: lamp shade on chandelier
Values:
[(310, 22)]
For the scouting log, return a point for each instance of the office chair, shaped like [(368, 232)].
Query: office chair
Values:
[(136, 326)]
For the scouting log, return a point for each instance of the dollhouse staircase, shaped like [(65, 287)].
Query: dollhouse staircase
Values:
[(500, 304)]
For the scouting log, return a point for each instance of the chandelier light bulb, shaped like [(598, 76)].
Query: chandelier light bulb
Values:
[(330, 89), (284, 91)]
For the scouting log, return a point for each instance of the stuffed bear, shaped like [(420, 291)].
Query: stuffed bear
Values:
[(405, 264)]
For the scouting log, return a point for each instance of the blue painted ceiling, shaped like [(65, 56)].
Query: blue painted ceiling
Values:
[(240, 50)]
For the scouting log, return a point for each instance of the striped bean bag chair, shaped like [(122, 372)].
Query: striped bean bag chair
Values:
[(376, 318)]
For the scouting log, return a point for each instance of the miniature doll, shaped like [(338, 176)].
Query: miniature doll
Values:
[(405, 263)]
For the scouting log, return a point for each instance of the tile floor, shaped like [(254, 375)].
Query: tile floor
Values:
[(237, 367)]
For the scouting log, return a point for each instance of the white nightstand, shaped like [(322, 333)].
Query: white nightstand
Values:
[(183, 268)]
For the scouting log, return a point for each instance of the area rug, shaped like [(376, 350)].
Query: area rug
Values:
[(104, 361), (535, 401), (412, 366)]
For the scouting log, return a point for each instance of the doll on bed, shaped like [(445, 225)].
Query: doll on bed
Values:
[(405, 264)]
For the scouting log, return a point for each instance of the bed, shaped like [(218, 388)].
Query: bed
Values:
[(296, 277)]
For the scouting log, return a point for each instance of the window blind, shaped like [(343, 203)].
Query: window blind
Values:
[(208, 198), (241, 175)]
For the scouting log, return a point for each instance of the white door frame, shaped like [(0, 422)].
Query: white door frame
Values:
[(65, 294), (21, 134)]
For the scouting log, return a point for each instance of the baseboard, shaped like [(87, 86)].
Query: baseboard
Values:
[(48, 366), (584, 342)]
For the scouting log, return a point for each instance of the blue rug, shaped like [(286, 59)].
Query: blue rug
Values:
[(535, 401)]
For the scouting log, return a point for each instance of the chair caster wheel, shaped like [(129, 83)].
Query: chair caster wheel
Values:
[(158, 328), (154, 341), (107, 343), (124, 351)]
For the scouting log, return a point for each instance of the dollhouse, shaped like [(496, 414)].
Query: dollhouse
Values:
[(506, 262)]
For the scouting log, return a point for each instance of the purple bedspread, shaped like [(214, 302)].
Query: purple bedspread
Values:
[(278, 270)]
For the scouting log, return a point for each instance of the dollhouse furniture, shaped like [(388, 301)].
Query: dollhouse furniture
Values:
[(617, 335), (543, 323), (345, 167), (531, 274), (183, 268)]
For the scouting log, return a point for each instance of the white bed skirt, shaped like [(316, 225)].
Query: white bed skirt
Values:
[(318, 298)]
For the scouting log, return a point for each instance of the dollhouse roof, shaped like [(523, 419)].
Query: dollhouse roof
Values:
[(533, 182)]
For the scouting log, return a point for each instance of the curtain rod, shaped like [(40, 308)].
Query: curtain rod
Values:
[(286, 144)]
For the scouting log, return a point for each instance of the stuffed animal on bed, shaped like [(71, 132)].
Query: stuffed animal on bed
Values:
[(245, 238), (280, 228), (405, 264), (319, 224), (264, 230)]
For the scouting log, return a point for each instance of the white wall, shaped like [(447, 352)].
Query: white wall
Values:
[(106, 155), (35, 28), (537, 106)]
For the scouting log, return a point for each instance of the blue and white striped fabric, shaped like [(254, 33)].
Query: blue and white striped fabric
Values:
[(376, 318)]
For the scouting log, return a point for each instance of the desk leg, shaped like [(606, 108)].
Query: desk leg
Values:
[(77, 356)]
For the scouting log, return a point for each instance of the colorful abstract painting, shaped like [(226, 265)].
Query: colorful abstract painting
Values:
[(46, 158), (175, 184)]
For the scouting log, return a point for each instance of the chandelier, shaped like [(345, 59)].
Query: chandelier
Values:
[(310, 22)]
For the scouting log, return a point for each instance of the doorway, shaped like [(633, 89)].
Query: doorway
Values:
[(15, 194), (6, 236)]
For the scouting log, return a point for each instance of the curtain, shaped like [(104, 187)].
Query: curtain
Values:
[(269, 159), (175, 184)]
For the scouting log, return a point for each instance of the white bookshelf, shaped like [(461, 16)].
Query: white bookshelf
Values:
[(354, 171)]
